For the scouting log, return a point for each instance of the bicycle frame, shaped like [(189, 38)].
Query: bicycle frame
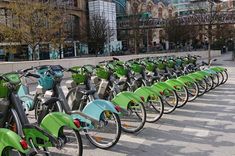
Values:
[(48, 129), (92, 111), (90, 114), (42, 135)]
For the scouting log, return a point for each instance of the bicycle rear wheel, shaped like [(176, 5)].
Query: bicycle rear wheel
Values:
[(154, 109), (221, 78), (202, 87), (11, 152), (170, 101), (225, 75), (192, 91), (209, 82), (182, 94), (216, 81), (72, 143), (108, 133), (134, 118)]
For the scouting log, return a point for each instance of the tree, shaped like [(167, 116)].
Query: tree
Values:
[(99, 33), (225, 36), (180, 34), (136, 33), (210, 8), (34, 23)]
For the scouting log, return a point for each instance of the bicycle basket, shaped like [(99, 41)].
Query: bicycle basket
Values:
[(120, 71), (13, 78), (102, 73), (89, 68), (150, 67), (78, 78), (45, 80), (170, 64), (136, 68), (161, 65)]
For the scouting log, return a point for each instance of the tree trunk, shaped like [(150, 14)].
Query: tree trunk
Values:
[(209, 43), (135, 44), (233, 50), (33, 54), (60, 51)]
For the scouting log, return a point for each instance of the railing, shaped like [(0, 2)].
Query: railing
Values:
[(194, 19)]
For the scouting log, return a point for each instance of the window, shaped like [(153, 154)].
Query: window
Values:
[(170, 13), (160, 12)]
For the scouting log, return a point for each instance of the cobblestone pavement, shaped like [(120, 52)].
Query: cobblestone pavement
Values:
[(205, 127)]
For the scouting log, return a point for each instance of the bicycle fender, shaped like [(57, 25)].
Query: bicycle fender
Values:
[(83, 119), (124, 98), (53, 122), (196, 76), (175, 83), (95, 108), (161, 86), (185, 79), (218, 69), (211, 72), (9, 138), (203, 73), (146, 92)]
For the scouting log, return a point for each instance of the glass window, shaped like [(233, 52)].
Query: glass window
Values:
[(160, 12)]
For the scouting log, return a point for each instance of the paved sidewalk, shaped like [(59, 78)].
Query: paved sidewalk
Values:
[(205, 127)]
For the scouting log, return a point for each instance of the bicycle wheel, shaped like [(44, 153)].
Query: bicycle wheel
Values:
[(11, 152), (42, 110), (13, 122), (154, 109), (225, 75), (193, 91), (215, 79), (170, 101), (209, 82), (133, 119), (108, 133), (72, 143), (182, 94), (221, 78), (74, 100), (202, 85)]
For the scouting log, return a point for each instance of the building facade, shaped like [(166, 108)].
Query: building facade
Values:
[(107, 9), (77, 11)]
